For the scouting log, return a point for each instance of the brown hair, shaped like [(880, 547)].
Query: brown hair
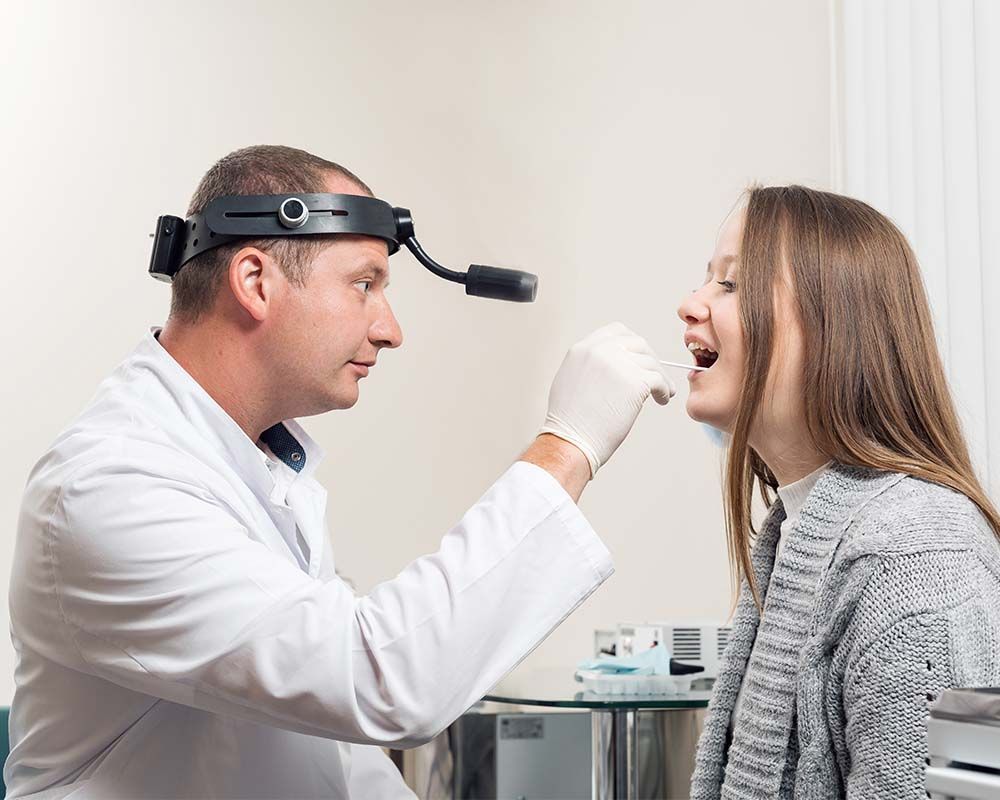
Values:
[(261, 169), (875, 389)]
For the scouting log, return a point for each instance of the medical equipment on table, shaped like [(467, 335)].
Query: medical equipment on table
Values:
[(241, 217), (651, 671), (698, 643)]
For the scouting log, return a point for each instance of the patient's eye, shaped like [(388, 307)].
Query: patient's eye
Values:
[(730, 286)]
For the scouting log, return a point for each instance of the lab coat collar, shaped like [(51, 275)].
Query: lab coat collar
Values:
[(218, 428)]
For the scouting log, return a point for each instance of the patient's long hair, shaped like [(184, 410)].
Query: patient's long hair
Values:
[(874, 386)]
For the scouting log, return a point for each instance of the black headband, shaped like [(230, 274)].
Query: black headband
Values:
[(235, 217)]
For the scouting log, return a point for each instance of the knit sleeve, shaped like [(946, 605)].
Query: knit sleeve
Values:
[(926, 622)]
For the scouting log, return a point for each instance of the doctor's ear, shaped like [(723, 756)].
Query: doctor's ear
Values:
[(253, 279)]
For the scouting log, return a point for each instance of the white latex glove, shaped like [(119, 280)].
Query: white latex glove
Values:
[(600, 388)]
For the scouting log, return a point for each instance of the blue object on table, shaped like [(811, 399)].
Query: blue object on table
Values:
[(654, 661)]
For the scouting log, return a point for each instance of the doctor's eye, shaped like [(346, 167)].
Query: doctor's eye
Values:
[(365, 286)]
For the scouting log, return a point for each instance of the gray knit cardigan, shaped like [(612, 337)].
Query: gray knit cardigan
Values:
[(887, 591)]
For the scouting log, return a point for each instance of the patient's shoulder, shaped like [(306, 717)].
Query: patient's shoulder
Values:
[(910, 547), (908, 515)]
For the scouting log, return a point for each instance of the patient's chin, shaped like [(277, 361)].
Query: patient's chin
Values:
[(709, 412)]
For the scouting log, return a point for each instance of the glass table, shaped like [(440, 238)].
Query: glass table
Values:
[(669, 725)]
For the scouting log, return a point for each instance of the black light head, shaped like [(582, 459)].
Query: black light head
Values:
[(235, 217)]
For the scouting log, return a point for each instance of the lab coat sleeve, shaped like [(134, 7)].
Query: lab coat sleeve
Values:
[(160, 589), (373, 776)]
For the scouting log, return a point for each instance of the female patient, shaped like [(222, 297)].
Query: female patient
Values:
[(874, 582)]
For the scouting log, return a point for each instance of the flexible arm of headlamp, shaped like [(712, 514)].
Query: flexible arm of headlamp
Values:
[(481, 280), (495, 283), (232, 218)]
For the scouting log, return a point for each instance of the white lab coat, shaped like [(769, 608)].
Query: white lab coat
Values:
[(180, 630)]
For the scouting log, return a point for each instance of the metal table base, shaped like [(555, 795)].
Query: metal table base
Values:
[(642, 746), (615, 754)]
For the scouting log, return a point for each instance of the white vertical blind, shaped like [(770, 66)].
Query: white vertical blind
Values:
[(917, 110)]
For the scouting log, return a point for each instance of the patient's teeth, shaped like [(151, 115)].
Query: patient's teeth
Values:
[(696, 347)]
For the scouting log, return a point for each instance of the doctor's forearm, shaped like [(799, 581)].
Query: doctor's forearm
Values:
[(563, 461)]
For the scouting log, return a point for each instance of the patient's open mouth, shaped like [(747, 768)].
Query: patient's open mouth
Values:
[(703, 357)]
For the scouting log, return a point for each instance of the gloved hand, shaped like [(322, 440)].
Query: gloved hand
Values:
[(600, 388)]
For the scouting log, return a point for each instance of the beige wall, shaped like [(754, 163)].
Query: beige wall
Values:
[(598, 145)]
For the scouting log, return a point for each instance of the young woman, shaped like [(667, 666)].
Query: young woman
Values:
[(874, 581)]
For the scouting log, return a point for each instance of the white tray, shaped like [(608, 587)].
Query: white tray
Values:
[(623, 683)]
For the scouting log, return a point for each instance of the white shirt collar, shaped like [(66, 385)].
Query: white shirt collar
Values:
[(212, 421)]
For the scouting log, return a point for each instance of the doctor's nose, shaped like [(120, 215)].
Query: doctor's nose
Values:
[(385, 330)]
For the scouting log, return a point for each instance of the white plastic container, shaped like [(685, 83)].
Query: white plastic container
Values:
[(624, 683)]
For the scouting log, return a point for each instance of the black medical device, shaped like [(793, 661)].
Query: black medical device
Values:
[(234, 217)]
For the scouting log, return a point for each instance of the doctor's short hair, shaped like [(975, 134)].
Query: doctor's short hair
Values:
[(260, 169)]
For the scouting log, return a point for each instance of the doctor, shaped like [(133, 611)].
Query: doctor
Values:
[(179, 627)]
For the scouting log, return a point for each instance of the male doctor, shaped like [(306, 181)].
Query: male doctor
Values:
[(179, 627)]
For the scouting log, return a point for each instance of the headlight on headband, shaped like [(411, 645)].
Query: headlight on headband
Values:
[(235, 217)]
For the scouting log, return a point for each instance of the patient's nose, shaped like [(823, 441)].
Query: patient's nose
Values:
[(692, 309)]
